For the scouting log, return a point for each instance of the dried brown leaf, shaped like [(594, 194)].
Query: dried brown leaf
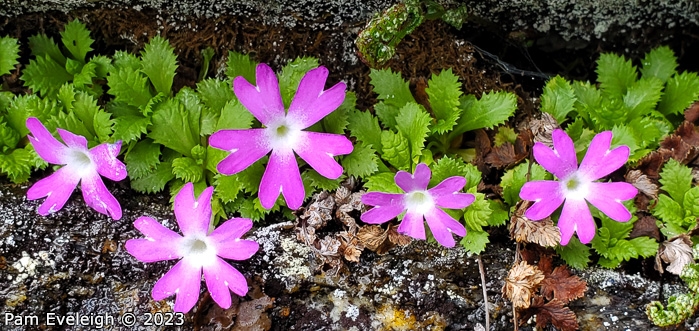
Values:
[(542, 129), (372, 236), (563, 286), (645, 226), (350, 248), (397, 238), (677, 252), (542, 232), (329, 246), (502, 156), (553, 312), (642, 183), (691, 114), (521, 282)]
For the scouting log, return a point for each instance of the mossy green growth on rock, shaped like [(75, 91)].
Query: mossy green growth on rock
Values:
[(679, 307)]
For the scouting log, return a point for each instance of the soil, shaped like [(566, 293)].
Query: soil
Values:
[(75, 260)]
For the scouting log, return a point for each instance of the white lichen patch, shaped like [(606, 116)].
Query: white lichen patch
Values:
[(288, 259)]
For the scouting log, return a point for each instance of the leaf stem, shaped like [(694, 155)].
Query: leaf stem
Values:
[(485, 293)]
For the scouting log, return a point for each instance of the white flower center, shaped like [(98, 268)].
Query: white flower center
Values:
[(575, 186), (198, 249), (283, 134), (419, 201), (80, 161)]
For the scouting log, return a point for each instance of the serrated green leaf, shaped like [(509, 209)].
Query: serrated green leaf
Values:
[(396, 150), (492, 109), (444, 92), (615, 74), (575, 254), (581, 136), (43, 46), (187, 169), (391, 88), (641, 97), (102, 125), (126, 60), (477, 214), (158, 62), (9, 53), (215, 93), (648, 131), (227, 187), (319, 182), (644, 246), (44, 76), (291, 76), (142, 159), (387, 114), (617, 230), (251, 177), (155, 181), (129, 86), (382, 182), (76, 39), (691, 201), (365, 127), (240, 65), (252, 209), (608, 114), (25, 106), (337, 121), (70, 122), (66, 95), (234, 116), (513, 180), (558, 98), (668, 210), (475, 241), (85, 76), (129, 128), (447, 167), (680, 92), (659, 63), (8, 136), (103, 65), (623, 136), (175, 127), (505, 135), (500, 215), (587, 97), (413, 123), (361, 162), (676, 179), (85, 108), (17, 165)]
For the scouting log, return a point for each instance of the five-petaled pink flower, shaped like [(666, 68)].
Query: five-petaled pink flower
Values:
[(418, 202), (283, 134), (576, 185), (82, 165), (198, 250)]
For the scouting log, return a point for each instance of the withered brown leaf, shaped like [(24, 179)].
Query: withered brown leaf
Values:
[(562, 285), (542, 232), (397, 238), (542, 128), (553, 312), (375, 239), (521, 282), (642, 183), (677, 252)]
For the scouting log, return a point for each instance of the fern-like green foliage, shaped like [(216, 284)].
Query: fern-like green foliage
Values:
[(677, 209), (679, 307)]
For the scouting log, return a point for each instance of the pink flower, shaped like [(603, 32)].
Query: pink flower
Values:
[(82, 166), (420, 203), (197, 249), (576, 185), (282, 134)]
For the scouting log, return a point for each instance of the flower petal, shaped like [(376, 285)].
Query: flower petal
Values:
[(383, 199), (264, 101), (98, 197), (246, 147), (311, 103), (576, 217), (547, 196), (220, 277), (443, 225), (607, 198), (105, 157), (48, 147), (232, 229), (184, 281), (193, 215), (414, 182), (73, 140), (57, 188), (318, 150), (413, 225), (226, 238), (446, 194), (154, 230), (562, 161), (282, 176), (599, 161), (146, 250)]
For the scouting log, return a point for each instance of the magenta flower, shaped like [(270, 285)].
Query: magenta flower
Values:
[(197, 249), (420, 203), (576, 185), (82, 166), (282, 134)]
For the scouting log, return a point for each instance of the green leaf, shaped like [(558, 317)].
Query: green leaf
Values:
[(500, 214), (17, 165), (648, 131), (44, 76), (444, 92), (659, 63), (391, 87), (215, 93), (103, 65), (382, 182), (25, 106), (337, 121), (8, 137), (587, 97), (251, 177), (187, 169), (642, 96), (623, 136), (291, 76), (505, 134), (681, 90), (175, 127), (558, 98), (615, 74), (668, 210), (158, 62), (387, 114), (319, 182), (43, 46), (361, 162), (447, 167), (413, 123), (476, 215), (234, 116), (155, 181), (691, 201), (102, 125), (515, 178), (676, 179), (130, 127), (129, 86), (396, 150), (142, 159), (475, 241), (76, 39), (240, 65), (227, 187), (70, 122), (644, 246), (9, 53), (85, 76), (576, 255), (492, 109), (126, 60), (365, 127)]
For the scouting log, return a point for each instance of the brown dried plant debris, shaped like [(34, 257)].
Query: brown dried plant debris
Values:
[(552, 312), (378, 240), (642, 183), (508, 154), (559, 284), (523, 230), (541, 126), (645, 226), (521, 283), (677, 252), (682, 145)]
